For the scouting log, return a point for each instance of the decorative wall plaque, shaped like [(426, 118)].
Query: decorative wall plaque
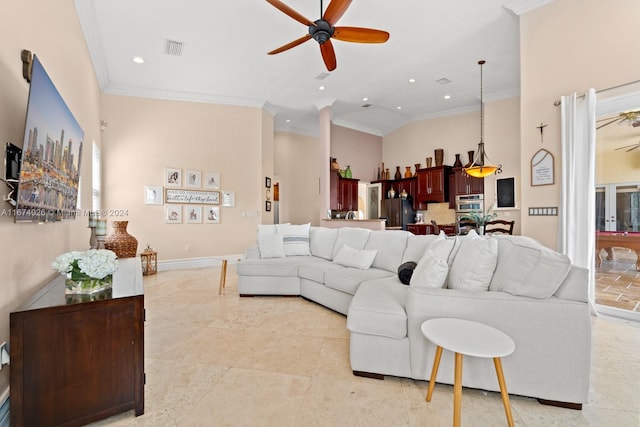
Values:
[(174, 195), (542, 168)]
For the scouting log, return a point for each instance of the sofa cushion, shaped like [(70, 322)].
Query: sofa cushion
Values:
[(271, 246), (315, 271), (416, 246), (322, 241), (358, 258), (354, 237), (348, 279), (390, 246), (273, 267), (474, 263), (432, 270), (527, 268), (296, 239), (378, 309)]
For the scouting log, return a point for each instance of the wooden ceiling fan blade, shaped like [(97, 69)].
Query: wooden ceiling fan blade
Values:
[(608, 123), (290, 45), (292, 13), (335, 10), (360, 35), (634, 148), (328, 55), (627, 146)]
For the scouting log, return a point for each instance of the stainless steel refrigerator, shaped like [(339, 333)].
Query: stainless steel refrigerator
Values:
[(398, 213)]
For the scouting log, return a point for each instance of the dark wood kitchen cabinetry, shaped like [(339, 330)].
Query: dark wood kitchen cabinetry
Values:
[(463, 184), (75, 362), (433, 185), (343, 193)]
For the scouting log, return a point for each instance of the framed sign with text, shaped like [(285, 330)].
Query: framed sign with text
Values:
[(542, 168), (202, 197)]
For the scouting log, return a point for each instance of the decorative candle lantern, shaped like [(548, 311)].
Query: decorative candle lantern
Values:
[(149, 259)]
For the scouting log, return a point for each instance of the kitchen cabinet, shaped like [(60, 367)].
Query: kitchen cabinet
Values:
[(343, 193), (433, 185), (463, 184), (410, 185)]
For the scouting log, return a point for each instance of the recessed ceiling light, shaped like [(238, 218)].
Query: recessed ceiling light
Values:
[(447, 97), (288, 120), (412, 80), (399, 107), (365, 99), (138, 60), (321, 88)]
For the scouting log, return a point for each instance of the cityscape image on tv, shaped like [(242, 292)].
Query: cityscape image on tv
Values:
[(51, 154)]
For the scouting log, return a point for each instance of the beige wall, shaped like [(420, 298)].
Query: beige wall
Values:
[(27, 250), (145, 136), (567, 46), (361, 151)]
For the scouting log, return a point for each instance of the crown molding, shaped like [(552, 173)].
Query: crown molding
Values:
[(86, 15), (520, 7)]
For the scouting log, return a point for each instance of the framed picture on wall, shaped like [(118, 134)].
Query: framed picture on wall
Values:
[(212, 214), (542, 168), (267, 182), (267, 206), (229, 199), (194, 179), (153, 195), (172, 177), (194, 214), (212, 180), (173, 214)]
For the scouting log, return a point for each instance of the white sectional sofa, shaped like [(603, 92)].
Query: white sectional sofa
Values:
[(512, 283)]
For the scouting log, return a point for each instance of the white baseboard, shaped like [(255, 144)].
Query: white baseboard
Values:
[(181, 264)]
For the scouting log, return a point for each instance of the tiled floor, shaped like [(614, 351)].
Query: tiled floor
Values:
[(618, 281), (270, 361)]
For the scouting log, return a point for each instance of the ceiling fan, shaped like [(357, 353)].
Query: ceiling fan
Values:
[(632, 117), (323, 30), (630, 147)]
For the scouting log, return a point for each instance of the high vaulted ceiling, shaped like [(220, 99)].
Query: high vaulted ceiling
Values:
[(224, 57)]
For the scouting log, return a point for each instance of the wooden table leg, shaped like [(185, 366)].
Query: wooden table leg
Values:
[(457, 391), (434, 372), (503, 390), (223, 276)]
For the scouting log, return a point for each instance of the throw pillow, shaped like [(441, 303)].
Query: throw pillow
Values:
[(431, 271), (358, 258), (296, 239), (405, 271), (474, 263), (271, 246)]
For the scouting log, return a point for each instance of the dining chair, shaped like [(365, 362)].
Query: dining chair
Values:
[(499, 226)]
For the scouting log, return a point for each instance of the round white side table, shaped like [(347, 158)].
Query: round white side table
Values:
[(464, 337)]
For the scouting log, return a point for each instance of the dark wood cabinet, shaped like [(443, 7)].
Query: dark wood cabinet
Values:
[(74, 362), (463, 184), (343, 193), (409, 185), (433, 185), (420, 229)]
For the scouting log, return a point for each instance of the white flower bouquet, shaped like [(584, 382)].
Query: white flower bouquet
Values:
[(87, 272)]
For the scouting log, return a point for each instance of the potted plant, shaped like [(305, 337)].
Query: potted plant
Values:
[(86, 272), (480, 217)]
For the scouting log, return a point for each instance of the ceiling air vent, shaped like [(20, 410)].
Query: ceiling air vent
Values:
[(366, 105), (322, 76), (173, 47), (443, 81)]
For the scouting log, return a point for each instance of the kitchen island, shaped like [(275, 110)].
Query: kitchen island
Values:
[(370, 224)]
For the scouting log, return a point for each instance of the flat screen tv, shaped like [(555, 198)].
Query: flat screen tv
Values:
[(51, 154)]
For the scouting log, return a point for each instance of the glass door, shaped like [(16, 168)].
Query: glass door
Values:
[(618, 207)]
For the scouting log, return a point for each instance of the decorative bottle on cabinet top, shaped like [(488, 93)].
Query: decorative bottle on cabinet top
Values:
[(458, 162), (398, 174), (347, 172), (407, 172)]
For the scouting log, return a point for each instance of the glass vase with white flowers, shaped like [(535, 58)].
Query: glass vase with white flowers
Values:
[(87, 272)]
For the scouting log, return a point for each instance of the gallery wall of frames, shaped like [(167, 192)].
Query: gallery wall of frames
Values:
[(189, 196)]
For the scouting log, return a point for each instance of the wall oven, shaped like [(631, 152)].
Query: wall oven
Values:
[(469, 202)]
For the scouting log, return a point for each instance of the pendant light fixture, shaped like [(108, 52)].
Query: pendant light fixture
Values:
[(479, 168)]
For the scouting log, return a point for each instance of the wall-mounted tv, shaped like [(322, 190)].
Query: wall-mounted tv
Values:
[(51, 154)]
